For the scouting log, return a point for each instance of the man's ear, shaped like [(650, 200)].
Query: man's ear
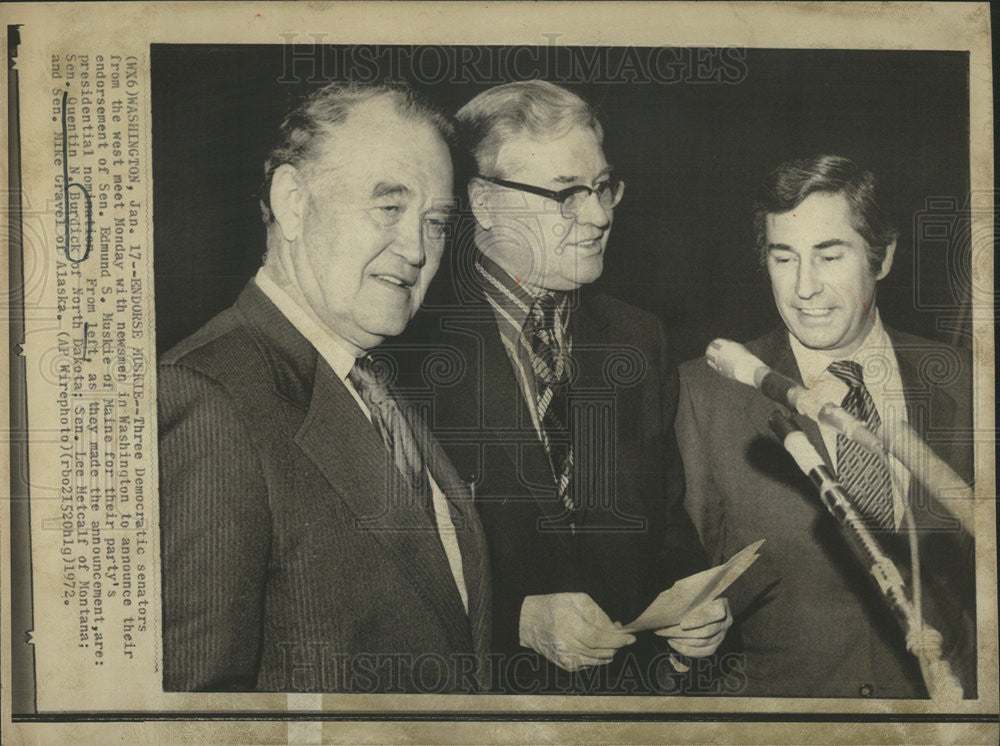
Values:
[(479, 201), (288, 196), (890, 252)]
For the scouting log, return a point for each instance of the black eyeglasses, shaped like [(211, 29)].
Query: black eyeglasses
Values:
[(571, 200)]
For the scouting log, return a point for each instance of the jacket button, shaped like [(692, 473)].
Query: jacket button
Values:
[(866, 690)]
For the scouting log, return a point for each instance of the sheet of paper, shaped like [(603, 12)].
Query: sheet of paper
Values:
[(691, 592)]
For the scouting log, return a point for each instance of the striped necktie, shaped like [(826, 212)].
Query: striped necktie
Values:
[(391, 425), (545, 333), (863, 473)]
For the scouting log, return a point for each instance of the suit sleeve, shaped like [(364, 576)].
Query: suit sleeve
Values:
[(215, 532), (682, 546), (702, 499), (949, 556), (682, 549)]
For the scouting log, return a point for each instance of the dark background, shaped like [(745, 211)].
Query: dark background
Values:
[(692, 139)]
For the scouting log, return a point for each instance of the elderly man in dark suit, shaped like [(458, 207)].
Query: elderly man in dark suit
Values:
[(314, 536), (812, 623), (561, 415)]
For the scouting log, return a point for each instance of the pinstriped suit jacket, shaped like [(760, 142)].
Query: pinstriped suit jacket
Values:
[(293, 557)]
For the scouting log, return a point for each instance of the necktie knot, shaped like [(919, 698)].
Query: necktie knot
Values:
[(544, 311), (369, 379), (545, 333), (847, 371), (370, 384)]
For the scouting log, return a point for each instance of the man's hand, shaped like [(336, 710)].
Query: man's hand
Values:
[(700, 632), (571, 630)]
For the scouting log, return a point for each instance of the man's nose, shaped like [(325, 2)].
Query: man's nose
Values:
[(807, 283), (409, 242), (593, 213)]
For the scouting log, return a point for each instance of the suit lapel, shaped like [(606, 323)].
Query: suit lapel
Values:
[(588, 330), (513, 427), (921, 401), (468, 530), (597, 403), (346, 449), (937, 399)]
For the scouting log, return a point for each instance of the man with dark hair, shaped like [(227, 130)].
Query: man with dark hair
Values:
[(812, 622), (562, 416), (314, 537), (787, 186)]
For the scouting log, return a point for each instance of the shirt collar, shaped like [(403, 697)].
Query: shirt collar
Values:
[(813, 363), (338, 352), (502, 291), (509, 296)]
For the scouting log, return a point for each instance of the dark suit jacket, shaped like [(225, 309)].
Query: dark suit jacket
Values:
[(282, 570), (812, 622), (633, 539)]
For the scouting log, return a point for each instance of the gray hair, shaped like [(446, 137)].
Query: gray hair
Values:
[(307, 126), (542, 110)]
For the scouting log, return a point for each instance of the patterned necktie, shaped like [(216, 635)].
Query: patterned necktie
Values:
[(863, 473), (546, 335), (391, 425)]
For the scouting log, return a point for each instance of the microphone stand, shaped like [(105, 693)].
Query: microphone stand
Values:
[(921, 639), (735, 362)]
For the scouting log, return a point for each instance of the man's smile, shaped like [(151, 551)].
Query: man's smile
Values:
[(816, 313), (395, 280)]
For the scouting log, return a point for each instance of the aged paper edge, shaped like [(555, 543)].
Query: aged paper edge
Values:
[(797, 25)]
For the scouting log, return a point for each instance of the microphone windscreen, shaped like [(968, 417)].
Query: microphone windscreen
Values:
[(734, 361), (779, 388)]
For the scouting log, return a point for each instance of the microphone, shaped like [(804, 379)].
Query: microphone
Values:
[(921, 639), (736, 362), (811, 463)]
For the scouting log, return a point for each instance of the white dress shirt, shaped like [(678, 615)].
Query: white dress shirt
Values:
[(880, 371), (341, 355)]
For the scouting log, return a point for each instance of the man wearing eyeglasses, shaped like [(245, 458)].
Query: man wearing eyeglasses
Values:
[(562, 419)]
